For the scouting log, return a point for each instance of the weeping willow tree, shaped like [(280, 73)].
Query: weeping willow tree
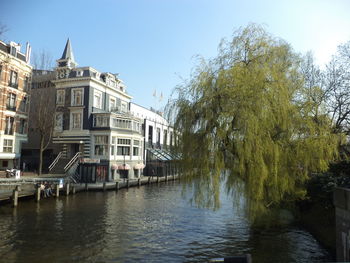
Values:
[(245, 117)]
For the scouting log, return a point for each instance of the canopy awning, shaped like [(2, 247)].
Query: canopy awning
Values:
[(123, 167), (162, 155), (139, 166)]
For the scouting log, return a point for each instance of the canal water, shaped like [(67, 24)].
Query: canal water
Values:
[(148, 224)]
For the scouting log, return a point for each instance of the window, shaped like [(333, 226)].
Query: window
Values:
[(165, 138), (150, 134), (11, 102), (0, 71), (23, 104), (136, 126), (59, 121), (121, 123), (158, 135), (113, 145), (77, 97), (5, 164), (26, 84), (60, 97), (8, 146), (13, 51), (101, 121), (101, 145), (171, 138), (98, 99), (76, 120), (123, 107), (112, 105), (124, 141), (79, 73), (123, 150), (135, 151), (22, 126), (9, 125), (13, 79)]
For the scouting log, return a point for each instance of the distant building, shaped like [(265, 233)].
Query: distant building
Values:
[(42, 95), (99, 134), (15, 82)]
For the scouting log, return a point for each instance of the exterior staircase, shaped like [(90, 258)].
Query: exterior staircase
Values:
[(66, 166), (59, 167)]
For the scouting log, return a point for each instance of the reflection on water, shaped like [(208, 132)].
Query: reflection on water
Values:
[(147, 224)]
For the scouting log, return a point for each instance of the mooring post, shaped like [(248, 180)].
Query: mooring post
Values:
[(73, 190), (127, 183), (139, 182), (67, 188), (104, 186), (149, 179), (57, 190), (37, 193), (15, 196), (166, 178), (157, 179), (86, 187), (117, 186)]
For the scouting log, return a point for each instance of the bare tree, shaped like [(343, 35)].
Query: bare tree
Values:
[(3, 29), (337, 82), (42, 60), (42, 113)]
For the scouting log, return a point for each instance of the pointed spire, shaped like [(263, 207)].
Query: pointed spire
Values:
[(67, 59), (68, 51)]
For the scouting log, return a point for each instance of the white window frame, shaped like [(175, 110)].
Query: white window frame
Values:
[(60, 96), (112, 99), (124, 106), (103, 144), (59, 125), (73, 102), (72, 121), (7, 146), (80, 73), (98, 94)]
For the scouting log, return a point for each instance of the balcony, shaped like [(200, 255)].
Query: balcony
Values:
[(13, 85), (118, 121), (11, 107)]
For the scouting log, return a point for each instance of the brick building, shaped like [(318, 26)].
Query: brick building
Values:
[(15, 78)]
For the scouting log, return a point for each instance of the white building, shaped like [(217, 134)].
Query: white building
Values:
[(97, 125)]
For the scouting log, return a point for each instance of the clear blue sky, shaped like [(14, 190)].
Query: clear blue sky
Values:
[(152, 43)]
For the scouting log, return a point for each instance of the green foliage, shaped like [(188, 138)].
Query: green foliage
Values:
[(246, 113)]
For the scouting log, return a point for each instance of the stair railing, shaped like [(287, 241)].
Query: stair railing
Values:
[(52, 165), (72, 161)]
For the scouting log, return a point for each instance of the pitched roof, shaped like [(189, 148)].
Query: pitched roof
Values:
[(68, 51)]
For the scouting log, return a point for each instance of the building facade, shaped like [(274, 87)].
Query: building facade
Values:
[(93, 118), (15, 79)]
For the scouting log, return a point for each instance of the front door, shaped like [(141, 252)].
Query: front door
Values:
[(74, 148)]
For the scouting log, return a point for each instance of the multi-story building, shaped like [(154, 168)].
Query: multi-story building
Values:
[(15, 78), (93, 120), (98, 128)]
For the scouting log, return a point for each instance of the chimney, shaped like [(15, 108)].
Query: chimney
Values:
[(28, 52)]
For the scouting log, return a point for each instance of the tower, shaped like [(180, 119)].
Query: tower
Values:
[(66, 62)]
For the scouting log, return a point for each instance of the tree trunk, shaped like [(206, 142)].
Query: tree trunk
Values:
[(41, 150)]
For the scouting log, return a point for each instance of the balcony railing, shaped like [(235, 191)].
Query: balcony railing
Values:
[(110, 121), (13, 85), (11, 107)]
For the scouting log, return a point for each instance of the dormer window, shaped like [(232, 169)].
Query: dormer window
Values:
[(13, 51), (80, 73)]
